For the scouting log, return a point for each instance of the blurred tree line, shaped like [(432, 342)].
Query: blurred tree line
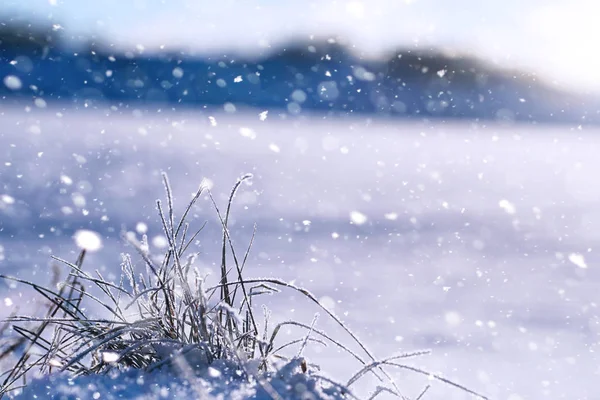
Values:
[(18, 33)]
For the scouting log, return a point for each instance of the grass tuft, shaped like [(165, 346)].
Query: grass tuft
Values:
[(167, 316)]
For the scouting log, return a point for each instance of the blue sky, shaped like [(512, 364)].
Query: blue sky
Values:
[(534, 34)]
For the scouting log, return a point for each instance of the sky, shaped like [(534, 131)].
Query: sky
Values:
[(554, 38)]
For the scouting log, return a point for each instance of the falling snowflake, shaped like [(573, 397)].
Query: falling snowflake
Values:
[(160, 242), (391, 216), (358, 218), (247, 132), (274, 148), (177, 73), (578, 260), (507, 206), (7, 199), (12, 82), (453, 318), (88, 240), (141, 228), (65, 179)]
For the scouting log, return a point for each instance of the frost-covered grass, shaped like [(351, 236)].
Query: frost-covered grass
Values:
[(189, 337)]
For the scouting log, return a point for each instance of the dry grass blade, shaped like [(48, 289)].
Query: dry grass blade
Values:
[(386, 361), (382, 389), (307, 336), (320, 333), (20, 369), (296, 341), (312, 298), (423, 392), (441, 379)]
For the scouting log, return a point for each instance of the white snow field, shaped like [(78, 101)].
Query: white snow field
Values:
[(475, 240)]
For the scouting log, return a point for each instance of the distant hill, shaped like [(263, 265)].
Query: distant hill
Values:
[(313, 76)]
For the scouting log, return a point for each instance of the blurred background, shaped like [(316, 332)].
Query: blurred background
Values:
[(507, 60)]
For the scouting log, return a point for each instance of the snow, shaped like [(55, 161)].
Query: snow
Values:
[(177, 73), (6, 199), (66, 180), (274, 148), (40, 103), (578, 260), (141, 228), (392, 216), (88, 240), (12, 82), (496, 291), (299, 96), (247, 132), (221, 380), (160, 242), (507, 206), (358, 218), (110, 357)]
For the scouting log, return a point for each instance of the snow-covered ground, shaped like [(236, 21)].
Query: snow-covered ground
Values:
[(475, 241)]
